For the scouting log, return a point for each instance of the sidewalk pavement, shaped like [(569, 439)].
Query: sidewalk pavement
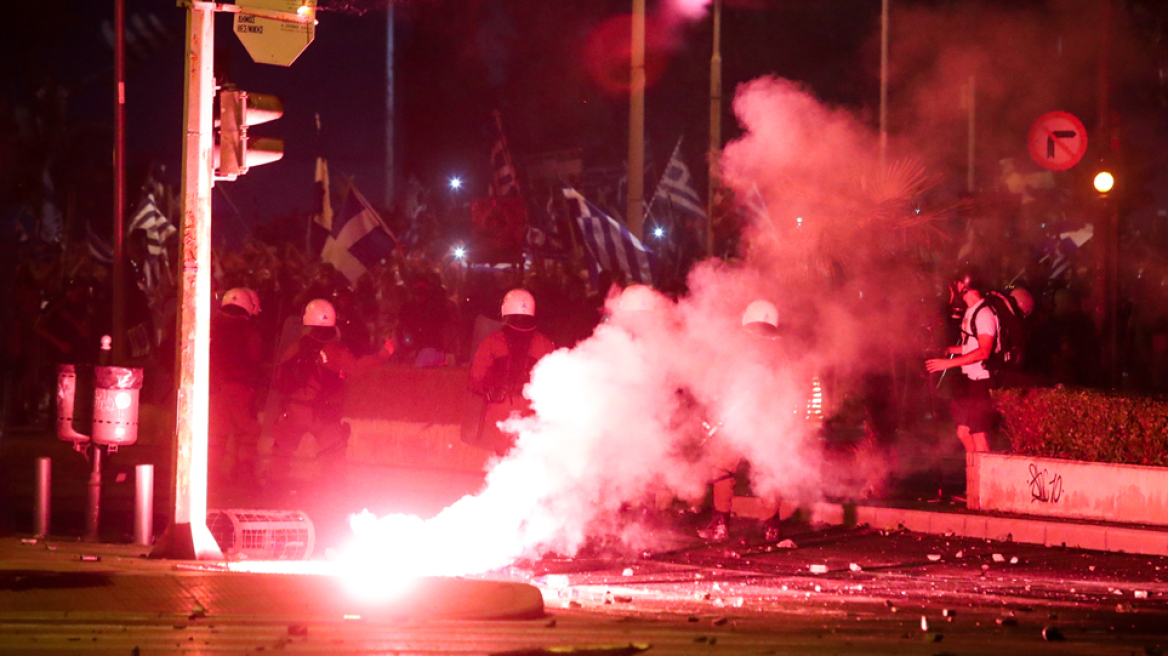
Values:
[(955, 519), (49, 580)]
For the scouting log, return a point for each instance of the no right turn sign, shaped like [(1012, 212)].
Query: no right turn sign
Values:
[(1057, 141)]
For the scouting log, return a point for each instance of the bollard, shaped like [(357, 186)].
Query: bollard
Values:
[(43, 504), (144, 505), (93, 511)]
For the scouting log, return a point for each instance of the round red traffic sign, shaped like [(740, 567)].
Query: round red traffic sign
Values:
[(1057, 141)]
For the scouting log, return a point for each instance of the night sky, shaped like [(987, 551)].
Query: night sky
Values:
[(552, 68)]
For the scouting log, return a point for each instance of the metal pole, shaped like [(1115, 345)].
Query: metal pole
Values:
[(971, 164), (715, 123), (883, 82), (119, 273), (636, 192), (93, 509), (1106, 276), (42, 508), (187, 536), (144, 505), (390, 109)]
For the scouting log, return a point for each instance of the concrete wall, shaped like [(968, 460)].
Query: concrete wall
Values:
[(1067, 488), (403, 417)]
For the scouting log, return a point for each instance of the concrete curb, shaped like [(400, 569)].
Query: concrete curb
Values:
[(1098, 537)]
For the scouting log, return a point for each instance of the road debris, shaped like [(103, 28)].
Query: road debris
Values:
[(1052, 634)]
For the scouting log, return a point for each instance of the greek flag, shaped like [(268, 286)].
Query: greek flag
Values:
[(609, 244), (359, 239), (150, 220), (676, 196), (322, 212), (504, 182)]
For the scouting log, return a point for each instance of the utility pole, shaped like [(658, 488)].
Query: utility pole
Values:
[(883, 83), (187, 536), (715, 124), (119, 281), (1107, 274), (971, 162), (636, 190), (390, 109)]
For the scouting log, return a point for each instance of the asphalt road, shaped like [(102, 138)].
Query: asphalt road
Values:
[(837, 591)]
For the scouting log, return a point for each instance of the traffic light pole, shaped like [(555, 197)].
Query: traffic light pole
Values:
[(187, 536)]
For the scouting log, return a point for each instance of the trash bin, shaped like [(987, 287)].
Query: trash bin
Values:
[(115, 405)]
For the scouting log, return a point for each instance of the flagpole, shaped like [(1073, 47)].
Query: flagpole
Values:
[(636, 191), (715, 123), (367, 206), (119, 272)]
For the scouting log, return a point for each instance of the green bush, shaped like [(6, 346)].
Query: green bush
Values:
[(1086, 425)]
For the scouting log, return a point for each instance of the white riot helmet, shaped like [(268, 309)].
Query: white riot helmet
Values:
[(519, 309), (640, 298), (244, 299), (761, 317), (320, 313)]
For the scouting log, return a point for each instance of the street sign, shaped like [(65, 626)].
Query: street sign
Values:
[(275, 31), (1057, 141)]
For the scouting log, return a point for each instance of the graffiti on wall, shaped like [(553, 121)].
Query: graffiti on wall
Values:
[(1045, 486)]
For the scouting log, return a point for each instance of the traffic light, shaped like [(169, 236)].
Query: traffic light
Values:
[(236, 152)]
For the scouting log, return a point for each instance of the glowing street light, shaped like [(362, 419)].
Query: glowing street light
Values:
[(1104, 182), (455, 183), (459, 252), (659, 232)]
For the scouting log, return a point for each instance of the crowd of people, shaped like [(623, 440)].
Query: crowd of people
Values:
[(427, 301)]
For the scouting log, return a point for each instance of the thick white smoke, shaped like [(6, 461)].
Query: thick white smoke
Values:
[(621, 415)]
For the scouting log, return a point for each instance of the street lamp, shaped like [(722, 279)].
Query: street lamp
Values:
[(455, 183), (1104, 182)]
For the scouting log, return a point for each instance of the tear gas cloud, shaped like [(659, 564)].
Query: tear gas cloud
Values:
[(619, 416)]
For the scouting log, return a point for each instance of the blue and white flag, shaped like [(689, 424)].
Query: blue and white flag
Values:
[(359, 239), (609, 245), (158, 229), (1059, 249), (675, 198), (322, 211), (504, 181)]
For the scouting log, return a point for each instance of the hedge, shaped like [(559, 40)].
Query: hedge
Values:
[(1086, 425)]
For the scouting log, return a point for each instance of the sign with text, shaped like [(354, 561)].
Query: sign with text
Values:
[(275, 31), (1057, 141)]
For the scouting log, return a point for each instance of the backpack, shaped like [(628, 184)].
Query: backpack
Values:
[(1009, 352)]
